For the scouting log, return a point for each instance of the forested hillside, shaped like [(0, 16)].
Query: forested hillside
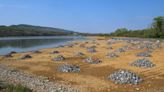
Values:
[(29, 30)]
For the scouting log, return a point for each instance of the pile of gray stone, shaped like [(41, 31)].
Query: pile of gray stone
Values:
[(112, 55), (91, 50), (143, 63), (92, 60), (110, 47), (26, 56), (70, 45), (10, 54), (59, 58), (37, 52), (82, 45), (124, 77), (55, 52), (68, 68), (80, 54), (33, 82), (120, 50), (144, 54)]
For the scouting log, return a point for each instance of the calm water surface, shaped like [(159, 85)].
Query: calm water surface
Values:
[(23, 44)]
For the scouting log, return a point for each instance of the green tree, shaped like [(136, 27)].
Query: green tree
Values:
[(158, 26)]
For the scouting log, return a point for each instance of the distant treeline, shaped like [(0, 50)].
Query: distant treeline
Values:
[(29, 30), (155, 31)]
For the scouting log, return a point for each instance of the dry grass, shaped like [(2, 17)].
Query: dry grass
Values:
[(93, 77)]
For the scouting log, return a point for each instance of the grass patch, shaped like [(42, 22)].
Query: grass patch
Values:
[(12, 88)]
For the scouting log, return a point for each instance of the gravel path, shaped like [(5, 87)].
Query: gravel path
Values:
[(37, 84)]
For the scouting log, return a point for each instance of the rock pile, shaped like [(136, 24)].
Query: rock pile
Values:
[(68, 68), (8, 55), (80, 54), (144, 54), (59, 58), (112, 55), (143, 63), (26, 56), (120, 50), (37, 52), (124, 77), (55, 52), (92, 60), (35, 83), (91, 50)]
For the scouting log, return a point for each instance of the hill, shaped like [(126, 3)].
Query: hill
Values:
[(30, 30)]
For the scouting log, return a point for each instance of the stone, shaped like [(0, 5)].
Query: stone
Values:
[(91, 50), (26, 57), (59, 58), (55, 52), (124, 77), (68, 68), (143, 63), (120, 50), (80, 54), (144, 54), (92, 60), (37, 52), (112, 55)]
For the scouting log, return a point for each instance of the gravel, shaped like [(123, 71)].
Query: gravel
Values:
[(92, 60), (68, 68), (55, 52), (59, 58), (79, 54), (120, 50), (144, 54), (26, 57), (124, 77), (36, 83), (91, 50), (143, 63), (112, 55)]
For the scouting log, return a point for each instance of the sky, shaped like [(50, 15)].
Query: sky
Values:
[(93, 16)]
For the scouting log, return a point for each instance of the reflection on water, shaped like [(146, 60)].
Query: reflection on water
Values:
[(22, 44)]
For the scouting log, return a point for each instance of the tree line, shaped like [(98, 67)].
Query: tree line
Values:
[(155, 31), (29, 30)]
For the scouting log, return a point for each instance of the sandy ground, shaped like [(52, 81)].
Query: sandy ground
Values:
[(93, 77)]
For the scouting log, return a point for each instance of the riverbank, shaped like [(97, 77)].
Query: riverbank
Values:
[(92, 77)]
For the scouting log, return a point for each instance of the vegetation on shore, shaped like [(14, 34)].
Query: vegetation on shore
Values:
[(13, 88), (29, 30), (155, 31)]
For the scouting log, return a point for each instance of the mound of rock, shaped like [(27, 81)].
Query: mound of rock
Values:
[(59, 58), (8, 55), (80, 54), (124, 77), (91, 50), (55, 52), (144, 54), (120, 50), (143, 63), (92, 60), (112, 55), (37, 52), (68, 68), (26, 56)]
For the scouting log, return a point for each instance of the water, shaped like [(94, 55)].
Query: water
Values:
[(24, 44)]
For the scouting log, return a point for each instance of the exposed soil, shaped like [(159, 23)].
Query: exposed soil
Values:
[(93, 77)]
